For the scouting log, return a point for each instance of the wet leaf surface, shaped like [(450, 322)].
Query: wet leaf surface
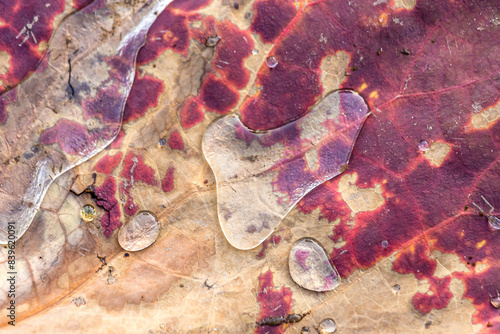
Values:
[(410, 225)]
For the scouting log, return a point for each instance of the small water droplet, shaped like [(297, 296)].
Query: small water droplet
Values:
[(271, 62), (327, 326), (87, 213), (495, 301), (304, 330), (131, 206), (255, 51), (162, 142), (212, 41), (396, 287), (140, 232), (385, 243), (423, 145), (310, 266), (494, 222)]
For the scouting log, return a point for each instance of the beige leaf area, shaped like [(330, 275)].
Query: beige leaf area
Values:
[(170, 220)]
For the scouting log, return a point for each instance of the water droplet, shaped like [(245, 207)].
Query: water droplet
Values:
[(495, 301), (396, 287), (162, 142), (423, 145), (310, 266), (385, 243), (212, 41), (140, 232), (254, 167), (327, 326), (304, 330), (271, 62), (131, 206), (255, 51), (87, 213), (494, 222)]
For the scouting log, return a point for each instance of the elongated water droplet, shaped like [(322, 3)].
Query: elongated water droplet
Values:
[(310, 266), (423, 145), (261, 176), (271, 62), (87, 212), (494, 222), (327, 326), (140, 232)]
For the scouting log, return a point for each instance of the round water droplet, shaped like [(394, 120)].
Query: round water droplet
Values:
[(87, 213), (271, 62), (396, 287), (310, 267), (255, 51), (327, 326), (494, 222), (304, 330), (162, 142), (423, 145), (495, 301), (140, 232), (385, 243)]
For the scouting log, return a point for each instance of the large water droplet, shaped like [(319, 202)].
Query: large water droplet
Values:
[(87, 212), (327, 326), (261, 176), (494, 222), (423, 145), (140, 232), (310, 266), (271, 62)]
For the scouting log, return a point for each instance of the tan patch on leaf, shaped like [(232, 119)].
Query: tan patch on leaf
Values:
[(405, 4), (436, 153), (333, 70), (358, 199), (4, 62), (486, 117)]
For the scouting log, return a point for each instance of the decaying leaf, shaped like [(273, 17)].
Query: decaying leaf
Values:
[(410, 225)]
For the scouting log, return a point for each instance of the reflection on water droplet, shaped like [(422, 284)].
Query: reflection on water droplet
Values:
[(327, 326), (87, 213), (162, 142), (310, 266), (423, 145), (385, 243), (255, 51), (495, 301), (271, 62), (494, 222), (140, 232)]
